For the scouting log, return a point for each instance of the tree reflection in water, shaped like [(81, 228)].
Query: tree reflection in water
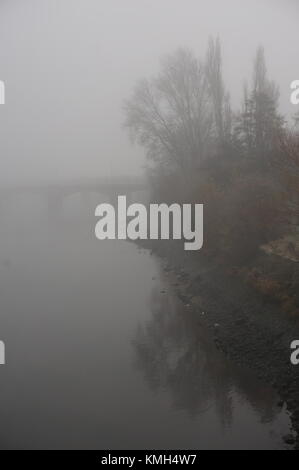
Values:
[(176, 353)]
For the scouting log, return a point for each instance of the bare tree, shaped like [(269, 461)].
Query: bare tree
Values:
[(220, 98), (171, 115)]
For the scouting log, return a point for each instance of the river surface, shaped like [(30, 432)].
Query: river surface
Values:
[(100, 354)]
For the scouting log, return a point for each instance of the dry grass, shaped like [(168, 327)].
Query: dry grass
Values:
[(272, 289), (286, 247)]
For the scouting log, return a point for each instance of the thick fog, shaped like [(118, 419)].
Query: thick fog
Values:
[(68, 65), (159, 311)]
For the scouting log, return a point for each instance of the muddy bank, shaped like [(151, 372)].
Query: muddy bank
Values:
[(251, 328)]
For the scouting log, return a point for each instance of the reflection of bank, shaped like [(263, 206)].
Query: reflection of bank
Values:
[(2, 353), (176, 353)]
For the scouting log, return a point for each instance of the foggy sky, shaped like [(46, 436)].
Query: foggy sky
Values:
[(68, 65)]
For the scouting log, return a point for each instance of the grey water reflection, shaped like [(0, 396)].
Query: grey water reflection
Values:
[(99, 358), (176, 354)]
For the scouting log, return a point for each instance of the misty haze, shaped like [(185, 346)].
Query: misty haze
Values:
[(133, 341)]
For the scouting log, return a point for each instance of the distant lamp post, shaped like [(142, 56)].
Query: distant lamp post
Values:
[(2, 92), (2, 353)]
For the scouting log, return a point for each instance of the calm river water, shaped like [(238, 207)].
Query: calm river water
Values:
[(98, 357)]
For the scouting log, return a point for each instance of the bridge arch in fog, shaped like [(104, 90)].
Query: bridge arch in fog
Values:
[(54, 194)]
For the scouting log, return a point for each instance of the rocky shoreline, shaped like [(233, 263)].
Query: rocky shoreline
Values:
[(250, 329)]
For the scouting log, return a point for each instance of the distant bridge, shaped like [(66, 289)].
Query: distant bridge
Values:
[(55, 193)]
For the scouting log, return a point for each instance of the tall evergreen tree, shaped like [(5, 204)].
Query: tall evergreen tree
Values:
[(259, 122)]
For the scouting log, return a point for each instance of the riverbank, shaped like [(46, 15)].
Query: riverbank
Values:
[(253, 328)]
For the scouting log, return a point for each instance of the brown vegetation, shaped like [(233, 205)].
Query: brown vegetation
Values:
[(243, 166)]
